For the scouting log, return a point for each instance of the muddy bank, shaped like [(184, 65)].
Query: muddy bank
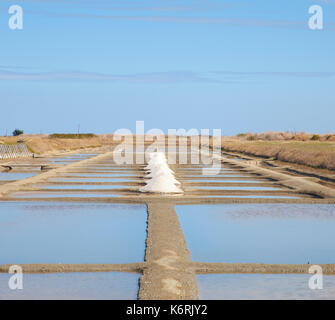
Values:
[(196, 267), (185, 200), (203, 268), (59, 268)]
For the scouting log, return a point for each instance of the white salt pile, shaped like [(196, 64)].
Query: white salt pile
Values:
[(161, 176)]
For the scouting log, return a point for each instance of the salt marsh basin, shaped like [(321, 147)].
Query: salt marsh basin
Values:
[(88, 219), (72, 233), (266, 233)]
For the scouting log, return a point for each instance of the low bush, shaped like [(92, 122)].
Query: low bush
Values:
[(315, 137), (252, 138), (17, 132)]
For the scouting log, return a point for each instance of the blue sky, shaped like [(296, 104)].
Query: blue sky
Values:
[(236, 65)]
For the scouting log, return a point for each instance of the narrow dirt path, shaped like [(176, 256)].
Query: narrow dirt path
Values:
[(168, 273)]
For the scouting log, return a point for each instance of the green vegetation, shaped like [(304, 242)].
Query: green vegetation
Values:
[(72, 135), (315, 137), (17, 132), (251, 138)]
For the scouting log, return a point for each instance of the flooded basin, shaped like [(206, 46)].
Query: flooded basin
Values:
[(16, 175), (191, 180), (232, 188), (263, 286), (213, 177), (50, 194), (102, 175), (83, 187), (70, 286), (260, 233), (102, 179), (253, 197), (33, 232)]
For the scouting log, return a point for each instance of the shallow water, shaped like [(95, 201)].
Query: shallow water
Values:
[(69, 286), (84, 172), (72, 157), (38, 194), (243, 182), (211, 178), (104, 175), (260, 233), (233, 174), (36, 232), (237, 159), (116, 179), (200, 169), (262, 286), (83, 187), (253, 196), (17, 175), (94, 166), (64, 160), (233, 188), (86, 154), (109, 169)]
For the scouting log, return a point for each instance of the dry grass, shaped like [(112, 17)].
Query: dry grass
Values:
[(315, 154), (314, 150), (286, 136), (43, 144)]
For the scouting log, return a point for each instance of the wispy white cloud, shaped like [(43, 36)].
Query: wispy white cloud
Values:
[(10, 67), (153, 77), (303, 74), (163, 6), (177, 19), (12, 74)]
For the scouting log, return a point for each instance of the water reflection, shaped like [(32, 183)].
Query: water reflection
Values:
[(262, 286), (68, 286), (260, 233), (71, 233)]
